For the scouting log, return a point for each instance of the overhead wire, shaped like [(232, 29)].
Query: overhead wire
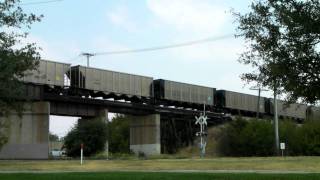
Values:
[(39, 2), (156, 48)]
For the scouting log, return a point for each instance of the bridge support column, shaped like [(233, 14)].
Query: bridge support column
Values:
[(104, 117), (145, 134), (27, 134)]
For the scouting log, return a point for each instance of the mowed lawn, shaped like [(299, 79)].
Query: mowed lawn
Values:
[(301, 164), (278, 164), (157, 175), (262, 168)]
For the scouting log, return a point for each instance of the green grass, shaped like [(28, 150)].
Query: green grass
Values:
[(301, 164), (162, 176), (264, 168)]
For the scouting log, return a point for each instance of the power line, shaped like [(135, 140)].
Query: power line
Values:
[(39, 2), (74, 58), (156, 48)]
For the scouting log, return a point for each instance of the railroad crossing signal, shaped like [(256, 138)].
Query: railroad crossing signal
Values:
[(202, 121)]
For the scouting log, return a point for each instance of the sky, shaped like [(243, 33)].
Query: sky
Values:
[(70, 27)]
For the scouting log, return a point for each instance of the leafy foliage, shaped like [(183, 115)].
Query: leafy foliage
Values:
[(283, 39), (289, 133), (310, 138), (90, 132), (4, 126), (15, 58), (53, 137), (119, 134), (247, 138), (256, 138)]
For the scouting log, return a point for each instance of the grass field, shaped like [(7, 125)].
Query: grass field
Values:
[(162, 176), (286, 164), (255, 168)]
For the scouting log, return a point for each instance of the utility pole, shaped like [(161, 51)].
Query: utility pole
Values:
[(88, 55), (276, 123), (258, 88)]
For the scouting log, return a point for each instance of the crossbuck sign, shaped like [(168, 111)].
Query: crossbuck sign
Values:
[(202, 121)]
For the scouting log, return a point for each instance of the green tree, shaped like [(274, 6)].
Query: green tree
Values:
[(53, 137), (15, 58), (119, 134), (289, 134), (283, 39), (229, 140), (309, 135), (90, 132), (247, 138)]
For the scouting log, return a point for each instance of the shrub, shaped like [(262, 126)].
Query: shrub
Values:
[(256, 138), (247, 138), (309, 134), (119, 134), (92, 133), (229, 143), (289, 134)]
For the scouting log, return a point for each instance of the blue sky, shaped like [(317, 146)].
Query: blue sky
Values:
[(70, 27)]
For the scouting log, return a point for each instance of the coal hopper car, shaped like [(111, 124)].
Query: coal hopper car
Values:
[(313, 113), (177, 93), (111, 82), (294, 110), (48, 73), (239, 102)]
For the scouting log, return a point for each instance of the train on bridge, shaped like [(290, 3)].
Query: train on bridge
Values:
[(93, 82)]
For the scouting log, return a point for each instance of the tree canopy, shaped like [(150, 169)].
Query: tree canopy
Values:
[(90, 132), (283, 38), (53, 137), (119, 134), (15, 57)]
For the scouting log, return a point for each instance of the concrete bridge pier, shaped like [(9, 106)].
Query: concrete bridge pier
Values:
[(28, 134), (145, 134)]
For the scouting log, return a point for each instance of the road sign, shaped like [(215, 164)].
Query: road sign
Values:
[(282, 147)]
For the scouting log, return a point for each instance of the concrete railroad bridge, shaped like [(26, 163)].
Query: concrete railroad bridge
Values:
[(162, 111), (151, 131)]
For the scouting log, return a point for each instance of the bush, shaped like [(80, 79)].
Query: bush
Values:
[(289, 134), (228, 142), (119, 134), (92, 133), (247, 138), (309, 135), (256, 138)]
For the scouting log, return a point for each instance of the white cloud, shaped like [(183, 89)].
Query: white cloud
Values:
[(190, 15), (120, 17), (53, 50), (193, 19)]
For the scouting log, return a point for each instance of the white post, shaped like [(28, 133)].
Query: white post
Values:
[(202, 128), (81, 154), (107, 144)]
